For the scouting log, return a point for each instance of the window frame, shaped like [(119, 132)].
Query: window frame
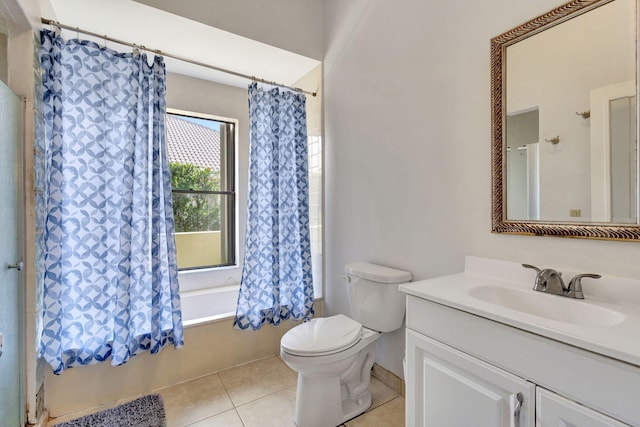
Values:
[(231, 176)]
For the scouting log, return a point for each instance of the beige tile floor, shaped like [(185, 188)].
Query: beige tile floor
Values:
[(258, 394)]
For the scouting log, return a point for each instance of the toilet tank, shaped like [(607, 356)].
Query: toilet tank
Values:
[(374, 299)]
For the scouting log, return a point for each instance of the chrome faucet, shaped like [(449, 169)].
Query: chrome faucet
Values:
[(550, 281)]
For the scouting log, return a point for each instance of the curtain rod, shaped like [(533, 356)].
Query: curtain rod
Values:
[(169, 55)]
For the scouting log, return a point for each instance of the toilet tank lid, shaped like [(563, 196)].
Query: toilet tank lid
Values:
[(377, 273)]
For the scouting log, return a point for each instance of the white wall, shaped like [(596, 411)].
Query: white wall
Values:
[(33, 10), (293, 25), (313, 81), (407, 131)]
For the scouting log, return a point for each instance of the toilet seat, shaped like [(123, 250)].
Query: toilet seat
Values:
[(322, 336)]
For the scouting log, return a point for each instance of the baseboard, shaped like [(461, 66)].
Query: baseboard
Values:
[(43, 420), (388, 378)]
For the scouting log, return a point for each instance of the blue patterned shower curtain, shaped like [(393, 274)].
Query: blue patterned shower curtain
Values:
[(276, 274), (110, 282)]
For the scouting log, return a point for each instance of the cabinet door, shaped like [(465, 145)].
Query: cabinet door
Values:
[(555, 411), (446, 387)]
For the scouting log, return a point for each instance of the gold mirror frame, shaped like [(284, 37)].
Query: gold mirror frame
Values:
[(500, 223)]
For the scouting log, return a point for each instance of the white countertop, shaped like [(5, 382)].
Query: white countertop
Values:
[(620, 341)]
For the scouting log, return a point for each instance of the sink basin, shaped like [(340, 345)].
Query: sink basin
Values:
[(552, 307)]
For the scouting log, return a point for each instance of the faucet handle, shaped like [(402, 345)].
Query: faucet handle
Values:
[(539, 284), (547, 280), (575, 285), (538, 270)]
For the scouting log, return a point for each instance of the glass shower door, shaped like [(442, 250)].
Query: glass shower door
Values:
[(11, 275)]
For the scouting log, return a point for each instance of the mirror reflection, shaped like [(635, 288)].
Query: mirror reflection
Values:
[(570, 120)]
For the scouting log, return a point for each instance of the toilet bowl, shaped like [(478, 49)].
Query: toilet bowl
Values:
[(334, 355), (333, 380)]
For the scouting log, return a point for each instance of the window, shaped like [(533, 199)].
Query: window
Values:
[(201, 151)]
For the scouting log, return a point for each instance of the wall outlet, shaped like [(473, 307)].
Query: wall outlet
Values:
[(1, 343), (575, 213)]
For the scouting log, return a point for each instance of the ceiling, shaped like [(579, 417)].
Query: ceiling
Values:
[(173, 34)]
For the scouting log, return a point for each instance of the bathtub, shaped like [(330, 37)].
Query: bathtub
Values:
[(208, 305), (208, 320)]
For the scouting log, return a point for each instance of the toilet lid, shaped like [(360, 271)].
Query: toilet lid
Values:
[(321, 336)]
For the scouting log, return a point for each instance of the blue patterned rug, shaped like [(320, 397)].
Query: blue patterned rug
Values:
[(147, 411)]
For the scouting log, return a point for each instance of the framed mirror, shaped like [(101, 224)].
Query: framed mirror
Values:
[(565, 123)]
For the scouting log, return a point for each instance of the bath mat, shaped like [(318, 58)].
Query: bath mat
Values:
[(147, 411)]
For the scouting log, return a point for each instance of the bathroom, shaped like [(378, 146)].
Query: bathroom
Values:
[(407, 140)]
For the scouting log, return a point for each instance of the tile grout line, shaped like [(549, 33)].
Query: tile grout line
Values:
[(239, 416), (382, 405), (216, 415), (157, 390), (264, 397), (267, 395), (235, 408)]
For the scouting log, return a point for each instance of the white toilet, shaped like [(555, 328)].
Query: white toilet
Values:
[(334, 355)]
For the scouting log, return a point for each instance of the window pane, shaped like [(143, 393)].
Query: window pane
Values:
[(193, 148), (194, 178), (201, 162), (196, 212), (201, 238)]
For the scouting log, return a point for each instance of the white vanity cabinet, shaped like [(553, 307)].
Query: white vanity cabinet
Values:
[(466, 370), (450, 388), (554, 410)]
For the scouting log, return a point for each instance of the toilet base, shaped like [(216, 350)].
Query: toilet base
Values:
[(351, 408), (333, 411), (328, 401)]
